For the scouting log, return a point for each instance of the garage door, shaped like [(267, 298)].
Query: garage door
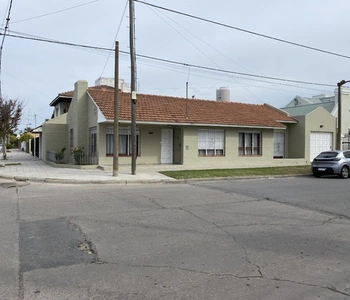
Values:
[(320, 141)]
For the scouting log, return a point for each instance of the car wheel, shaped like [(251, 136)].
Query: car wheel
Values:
[(317, 174), (344, 173)]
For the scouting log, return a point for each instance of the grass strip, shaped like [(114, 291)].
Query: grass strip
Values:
[(243, 172)]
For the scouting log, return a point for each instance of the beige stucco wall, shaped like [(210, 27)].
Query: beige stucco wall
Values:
[(296, 138), (150, 145), (78, 115), (191, 159), (92, 113), (54, 135), (345, 109), (299, 134), (150, 137)]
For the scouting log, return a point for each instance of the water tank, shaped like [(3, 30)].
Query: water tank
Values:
[(223, 94)]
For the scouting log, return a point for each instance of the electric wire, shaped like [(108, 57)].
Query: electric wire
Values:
[(3, 41), (7, 7), (230, 76), (187, 65), (54, 12), (245, 88), (115, 38), (244, 30), (210, 46)]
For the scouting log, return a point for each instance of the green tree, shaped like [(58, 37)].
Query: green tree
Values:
[(25, 137), (10, 117)]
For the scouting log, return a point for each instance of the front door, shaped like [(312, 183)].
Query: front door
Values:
[(278, 145), (166, 146)]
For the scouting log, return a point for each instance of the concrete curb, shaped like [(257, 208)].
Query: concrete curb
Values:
[(240, 178), (90, 181), (141, 181)]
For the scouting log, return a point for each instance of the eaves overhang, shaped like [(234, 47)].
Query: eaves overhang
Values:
[(289, 122), (56, 100), (196, 124)]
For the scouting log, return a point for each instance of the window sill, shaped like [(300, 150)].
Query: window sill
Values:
[(211, 155)]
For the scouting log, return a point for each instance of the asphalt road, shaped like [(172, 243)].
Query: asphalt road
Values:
[(326, 194), (282, 238)]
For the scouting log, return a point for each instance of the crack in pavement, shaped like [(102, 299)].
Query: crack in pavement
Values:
[(266, 198), (261, 276), (154, 201), (87, 245), (335, 215), (232, 236)]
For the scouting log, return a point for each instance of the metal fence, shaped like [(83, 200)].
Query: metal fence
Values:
[(346, 143), (82, 159)]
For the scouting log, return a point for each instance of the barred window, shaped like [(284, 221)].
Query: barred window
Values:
[(125, 144), (92, 141), (249, 143), (211, 142)]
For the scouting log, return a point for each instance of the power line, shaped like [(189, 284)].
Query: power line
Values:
[(3, 21), (3, 41), (115, 38), (54, 12), (243, 30), (168, 61), (198, 49)]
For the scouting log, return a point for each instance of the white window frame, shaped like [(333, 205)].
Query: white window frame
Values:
[(250, 143), (211, 142)]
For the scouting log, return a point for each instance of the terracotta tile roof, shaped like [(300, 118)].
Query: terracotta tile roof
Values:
[(62, 97), (165, 109), (67, 94)]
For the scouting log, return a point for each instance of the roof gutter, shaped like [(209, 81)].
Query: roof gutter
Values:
[(197, 124), (58, 97)]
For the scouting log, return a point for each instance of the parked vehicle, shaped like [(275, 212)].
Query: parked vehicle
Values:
[(335, 162)]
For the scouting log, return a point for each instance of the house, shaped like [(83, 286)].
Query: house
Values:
[(189, 132), (317, 120)]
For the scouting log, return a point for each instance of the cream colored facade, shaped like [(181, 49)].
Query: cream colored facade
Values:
[(73, 129), (54, 136), (319, 120)]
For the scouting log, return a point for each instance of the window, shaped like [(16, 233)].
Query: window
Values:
[(125, 147), (92, 141), (249, 143), (211, 142), (346, 154)]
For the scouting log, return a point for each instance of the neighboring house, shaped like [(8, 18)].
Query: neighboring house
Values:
[(190, 132), (322, 138)]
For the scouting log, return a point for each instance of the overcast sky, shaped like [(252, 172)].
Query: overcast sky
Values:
[(37, 72)]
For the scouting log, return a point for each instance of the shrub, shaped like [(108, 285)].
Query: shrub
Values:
[(60, 154)]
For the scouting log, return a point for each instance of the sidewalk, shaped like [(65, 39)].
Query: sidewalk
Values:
[(25, 167)]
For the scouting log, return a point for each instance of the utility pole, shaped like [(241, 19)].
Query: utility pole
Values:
[(339, 143), (133, 86), (116, 112), (34, 136)]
